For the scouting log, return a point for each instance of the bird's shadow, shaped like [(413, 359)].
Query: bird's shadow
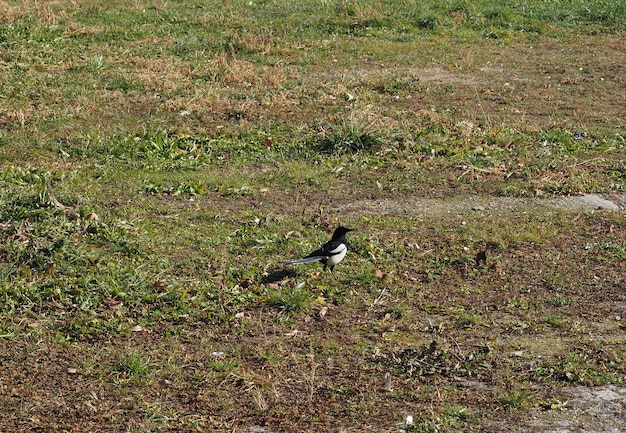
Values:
[(278, 274)]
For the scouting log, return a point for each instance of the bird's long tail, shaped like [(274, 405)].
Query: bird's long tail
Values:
[(305, 260)]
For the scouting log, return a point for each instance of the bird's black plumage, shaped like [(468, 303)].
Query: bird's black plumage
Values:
[(329, 254)]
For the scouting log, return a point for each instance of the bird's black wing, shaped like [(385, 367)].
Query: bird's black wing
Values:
[(327, 250)]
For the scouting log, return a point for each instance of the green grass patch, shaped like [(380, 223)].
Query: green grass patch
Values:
[(291, 300)]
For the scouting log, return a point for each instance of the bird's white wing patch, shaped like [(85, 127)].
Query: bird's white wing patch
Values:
[(339, 249), (337, 255)]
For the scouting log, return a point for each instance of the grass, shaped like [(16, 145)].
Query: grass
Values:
[(292, 299), (134, 364), (159, 162)]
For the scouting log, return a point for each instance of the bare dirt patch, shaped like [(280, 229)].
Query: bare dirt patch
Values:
[(463, 205), (590, 410)]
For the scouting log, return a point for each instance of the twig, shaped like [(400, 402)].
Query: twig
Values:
[(472, 167), (53, 200), (71, 213), (587, 161)]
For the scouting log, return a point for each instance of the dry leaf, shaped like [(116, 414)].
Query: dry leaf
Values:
[(387, 385), (113, 303), (72, 370), (293, 333), (293, 233)]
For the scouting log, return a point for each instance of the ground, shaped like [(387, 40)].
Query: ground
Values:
[(159, 163)]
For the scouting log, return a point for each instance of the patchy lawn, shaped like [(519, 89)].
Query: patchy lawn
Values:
[(159, 162)]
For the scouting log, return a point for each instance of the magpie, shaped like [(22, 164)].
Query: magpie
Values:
[(331, 253)]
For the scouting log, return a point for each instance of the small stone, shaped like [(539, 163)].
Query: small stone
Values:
[(607, 394)]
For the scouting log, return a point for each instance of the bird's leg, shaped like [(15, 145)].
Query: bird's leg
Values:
[(331, 271)]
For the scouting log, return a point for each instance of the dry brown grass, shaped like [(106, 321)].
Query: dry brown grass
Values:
[(9, 14), (46, 12)]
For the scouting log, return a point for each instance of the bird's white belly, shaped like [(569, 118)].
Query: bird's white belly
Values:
[(338, 254)]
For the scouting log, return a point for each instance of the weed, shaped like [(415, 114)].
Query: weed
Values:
[(554, 321), (292, 299), (556, 301), (426, 22), (574, 367), (123, 84), (180, 189), (223, 365), (268, 357), (342, 139), (135, 363), (609, 251), (515, 399), (449, 419), (424, 425), (398, 311), (467, 321), (458, 412), (334, 293)]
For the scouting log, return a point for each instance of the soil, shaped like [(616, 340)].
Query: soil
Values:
[(588, 410), (582, 409), (431, 207), (33, 404)]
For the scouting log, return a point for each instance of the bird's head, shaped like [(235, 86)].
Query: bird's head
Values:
[(341, 232)]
